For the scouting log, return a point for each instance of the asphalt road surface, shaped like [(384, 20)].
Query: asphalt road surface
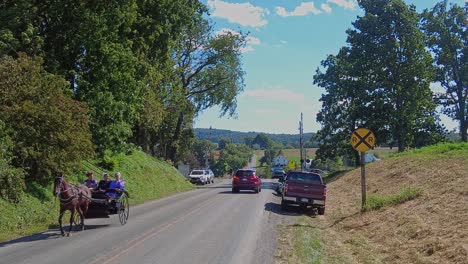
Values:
[(206, 225)]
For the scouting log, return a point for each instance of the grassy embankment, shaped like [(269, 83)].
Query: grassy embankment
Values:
[(145, 178), (416, 213)]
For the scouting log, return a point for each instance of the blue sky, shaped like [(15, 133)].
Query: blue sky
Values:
[(287, 41)]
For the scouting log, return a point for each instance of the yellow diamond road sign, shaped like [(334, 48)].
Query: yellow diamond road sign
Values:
[(292, 165), (362, 139)]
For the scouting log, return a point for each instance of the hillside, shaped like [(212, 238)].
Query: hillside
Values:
[(146, 178), (429, 228), (238, 137)]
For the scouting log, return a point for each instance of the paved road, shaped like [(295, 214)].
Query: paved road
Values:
[(206, 225)]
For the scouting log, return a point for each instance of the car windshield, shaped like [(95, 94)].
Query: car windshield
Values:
[(304, 177), (197, 173), (243, 173)]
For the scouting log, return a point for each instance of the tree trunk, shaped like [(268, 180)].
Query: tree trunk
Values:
[(463, 129), (142, 138), (175, 139), (461, 116), (357, 159)]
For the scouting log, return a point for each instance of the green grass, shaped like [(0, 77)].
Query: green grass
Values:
[(307, 245), (437, 151), (146, 178), (375, 202)]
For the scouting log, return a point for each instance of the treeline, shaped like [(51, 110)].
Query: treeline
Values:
[(237, 137), (381, 78), (81, 79)]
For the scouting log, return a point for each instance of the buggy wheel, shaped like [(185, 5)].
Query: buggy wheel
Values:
[(123, 209)]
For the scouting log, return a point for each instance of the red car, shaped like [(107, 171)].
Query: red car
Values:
[(246, 179)]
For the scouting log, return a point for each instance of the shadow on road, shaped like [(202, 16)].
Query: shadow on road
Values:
[(214, 187), (49, 234), (240, 192), (52, 233), (291, 210)]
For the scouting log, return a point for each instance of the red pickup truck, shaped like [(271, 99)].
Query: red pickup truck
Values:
[(304, 189)]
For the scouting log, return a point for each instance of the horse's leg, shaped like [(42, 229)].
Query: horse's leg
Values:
[(84, 210), (80, 213), (60, 221), (71, 221)]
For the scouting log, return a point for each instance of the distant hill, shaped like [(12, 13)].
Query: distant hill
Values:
[(238, 137)]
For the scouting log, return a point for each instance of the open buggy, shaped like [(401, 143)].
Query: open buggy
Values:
[(102, 206)]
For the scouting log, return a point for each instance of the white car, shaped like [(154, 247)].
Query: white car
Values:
[(199, 176), (210, 175)]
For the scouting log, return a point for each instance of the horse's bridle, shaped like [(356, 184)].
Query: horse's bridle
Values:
[(71, 198)]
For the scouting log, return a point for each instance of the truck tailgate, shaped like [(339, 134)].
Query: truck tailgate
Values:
[(306, 190)]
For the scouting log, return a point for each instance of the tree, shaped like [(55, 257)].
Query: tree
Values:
[(49, 129), (248, 140), (447, 31), (263, 141), (379, 81), (223, 142), (208, 70), (234, 156)]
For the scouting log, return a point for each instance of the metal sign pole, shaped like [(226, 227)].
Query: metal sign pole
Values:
[(363, 180)]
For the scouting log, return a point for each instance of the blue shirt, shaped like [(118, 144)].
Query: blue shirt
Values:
[(115, 185), (91, 183)]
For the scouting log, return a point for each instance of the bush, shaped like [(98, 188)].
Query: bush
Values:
[(11, 182), (11, 179), (49, 129)]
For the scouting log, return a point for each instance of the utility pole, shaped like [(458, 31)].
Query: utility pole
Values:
[(301, 142)]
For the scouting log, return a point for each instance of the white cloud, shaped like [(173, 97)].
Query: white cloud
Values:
[(283, 42), (326, 8), (303, 9), (244, 14), (250, 40), (346, 4)]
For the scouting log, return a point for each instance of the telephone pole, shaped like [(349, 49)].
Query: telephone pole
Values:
[(301, 141)]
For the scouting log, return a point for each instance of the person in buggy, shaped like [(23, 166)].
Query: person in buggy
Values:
[(91, 183), (116, 186), (103, 184), (102, 187)]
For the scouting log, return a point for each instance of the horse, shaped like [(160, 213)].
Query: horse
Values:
[(73, 198)]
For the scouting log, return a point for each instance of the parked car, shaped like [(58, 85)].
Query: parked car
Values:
[(278, 173), (199, 176), (280, 184), (211, 175), (246, 179), (304, 189)]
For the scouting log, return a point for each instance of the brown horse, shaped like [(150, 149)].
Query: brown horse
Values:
[(73, 198)]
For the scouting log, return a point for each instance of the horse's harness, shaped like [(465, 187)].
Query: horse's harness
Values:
[(76, 194)]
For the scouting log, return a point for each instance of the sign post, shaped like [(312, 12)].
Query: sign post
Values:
[(362, 139)]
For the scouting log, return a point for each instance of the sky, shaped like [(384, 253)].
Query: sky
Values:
[(287, 40)]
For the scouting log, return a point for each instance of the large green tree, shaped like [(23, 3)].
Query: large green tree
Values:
[(114, 54), (208, 71), (48, 128), (380, 81), (447, 30)]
